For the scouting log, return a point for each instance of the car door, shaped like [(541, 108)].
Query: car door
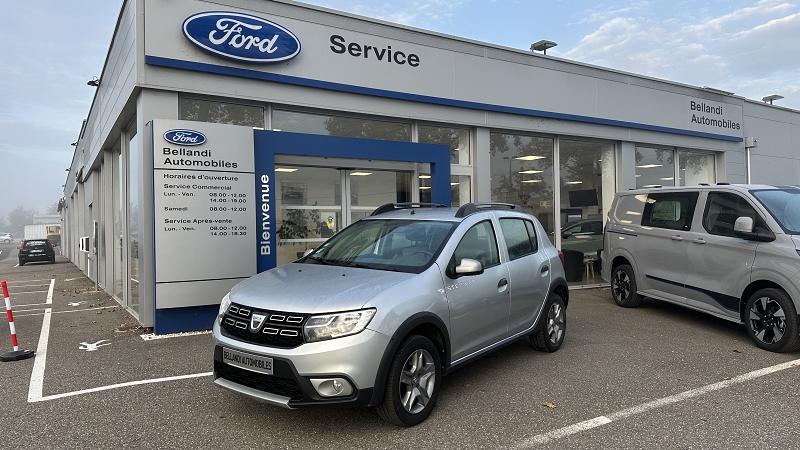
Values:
[(662, 243), (529, 272), (719, 263), (478, 303)]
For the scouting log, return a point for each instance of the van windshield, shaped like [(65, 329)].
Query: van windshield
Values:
[(784, 205)]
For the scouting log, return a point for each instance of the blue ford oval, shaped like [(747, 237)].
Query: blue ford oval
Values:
[(241, 37), (185, 137)]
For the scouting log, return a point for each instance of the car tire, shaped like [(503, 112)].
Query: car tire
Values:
[(53, 260), (623, 287), (22, 263), (413, 382), (553, 326), (771, 321)]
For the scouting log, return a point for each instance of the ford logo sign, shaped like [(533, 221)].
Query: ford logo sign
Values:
[(241, 37), (185, 137)]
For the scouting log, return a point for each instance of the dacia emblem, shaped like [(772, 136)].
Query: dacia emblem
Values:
[(256, 320)]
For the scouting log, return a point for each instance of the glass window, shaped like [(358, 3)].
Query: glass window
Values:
[(516, 236), (784, 205), (654, 167), (460, 190), (301, 122), (532, 233), (722, 210), (696, 168), (455, 138), (218, 112), (672, 210), (480, 244), (522, 173), (587, 190), (118, 188), (134, 176)]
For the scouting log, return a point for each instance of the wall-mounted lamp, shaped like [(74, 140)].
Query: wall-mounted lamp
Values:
[(542, 46), (94, 82), (716, 91), (74, 144), (770, 98)]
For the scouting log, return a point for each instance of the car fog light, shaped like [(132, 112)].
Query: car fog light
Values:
[(332, 387)]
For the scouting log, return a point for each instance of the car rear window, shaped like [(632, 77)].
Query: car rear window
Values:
[(32, 244)]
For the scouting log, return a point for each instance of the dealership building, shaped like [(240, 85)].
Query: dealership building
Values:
[(228, 137)]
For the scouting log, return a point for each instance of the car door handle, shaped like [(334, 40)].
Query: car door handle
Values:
[(677, 237), (545, 269), (502, 283), (699, 241)]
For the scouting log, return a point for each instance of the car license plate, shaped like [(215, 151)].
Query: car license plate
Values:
[(246, 361)]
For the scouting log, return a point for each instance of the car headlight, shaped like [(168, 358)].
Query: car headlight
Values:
[(330, 326), (223, 306)]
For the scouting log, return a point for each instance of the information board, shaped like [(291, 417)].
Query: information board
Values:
[(204, 198)]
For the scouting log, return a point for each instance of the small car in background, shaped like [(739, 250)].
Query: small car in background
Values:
[(31, 250), (6, 237), (378, 313)]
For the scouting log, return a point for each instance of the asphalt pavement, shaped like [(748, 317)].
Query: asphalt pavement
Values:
[(658, 376)]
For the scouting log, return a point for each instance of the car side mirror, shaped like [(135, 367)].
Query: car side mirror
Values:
[(566, 234), (743, 228), (469, 267)]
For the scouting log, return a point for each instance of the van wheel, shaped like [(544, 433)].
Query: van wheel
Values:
[(551, 335), (412, 386), (771, 321), (623, 287)]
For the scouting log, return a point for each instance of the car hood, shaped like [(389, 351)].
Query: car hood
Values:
[(312, 288)]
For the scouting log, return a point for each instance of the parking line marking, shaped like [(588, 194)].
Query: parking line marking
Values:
[(28, 292), (115, 386), (37, 374), (50, 291), (64, 312), (644, 407)]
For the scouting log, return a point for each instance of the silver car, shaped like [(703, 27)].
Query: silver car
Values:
[(377, 314)]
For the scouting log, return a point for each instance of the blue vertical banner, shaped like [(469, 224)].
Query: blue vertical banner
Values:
[(266, 241)]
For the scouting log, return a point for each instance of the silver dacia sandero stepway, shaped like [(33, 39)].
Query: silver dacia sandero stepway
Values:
[(381, 311)]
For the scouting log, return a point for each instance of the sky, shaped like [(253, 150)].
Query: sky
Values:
[(49, 49)]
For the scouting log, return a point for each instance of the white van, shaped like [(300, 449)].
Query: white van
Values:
[(732, 251)]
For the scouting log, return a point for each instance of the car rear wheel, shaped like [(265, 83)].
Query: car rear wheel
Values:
[(771, 321), (551, 333), (623, 287), (21, 263), (412, 386)]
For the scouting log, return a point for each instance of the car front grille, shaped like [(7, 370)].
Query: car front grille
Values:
[(278, 328), (285, 387)]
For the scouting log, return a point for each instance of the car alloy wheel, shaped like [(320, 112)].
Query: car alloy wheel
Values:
[(771, 321), (417, 381), (552, 325), (623, 287), (556, 323)]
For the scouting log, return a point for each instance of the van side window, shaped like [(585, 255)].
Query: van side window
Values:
[(479, 243), (672, 210), (722, 210), (517, 239)]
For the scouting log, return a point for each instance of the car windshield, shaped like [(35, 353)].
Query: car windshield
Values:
[(396, 245), (784, 205)]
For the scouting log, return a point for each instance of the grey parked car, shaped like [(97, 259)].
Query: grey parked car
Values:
[(381, 311)]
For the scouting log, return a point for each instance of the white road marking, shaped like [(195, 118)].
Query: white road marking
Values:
[(26, 292), (15, 283), (37, 374), (50, 291), (120, 385), (64, 312), (75, 303), (93, 347), (644, 407)]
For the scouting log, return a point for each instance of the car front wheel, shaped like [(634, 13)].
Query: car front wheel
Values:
[(771, 321), (412, 385), (551, 333), (623, 287)]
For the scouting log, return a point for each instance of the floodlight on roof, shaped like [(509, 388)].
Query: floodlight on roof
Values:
[(542, 46), (770, 98)]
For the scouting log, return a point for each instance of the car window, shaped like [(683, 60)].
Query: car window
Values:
[(532, 233), (32, 244), (784, 205), (722, 210), (672, 210), (516, 236), (479, 243)]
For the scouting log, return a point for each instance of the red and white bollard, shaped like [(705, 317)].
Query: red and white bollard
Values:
[(17, 354)]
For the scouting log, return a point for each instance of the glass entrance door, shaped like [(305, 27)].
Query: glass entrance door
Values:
[(310, 206)]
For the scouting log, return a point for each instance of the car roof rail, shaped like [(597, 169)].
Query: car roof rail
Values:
[(472, 208), (723, 184), (703, 184), (395, 206)]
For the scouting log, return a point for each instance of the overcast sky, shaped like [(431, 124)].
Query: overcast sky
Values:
[(51, 48)]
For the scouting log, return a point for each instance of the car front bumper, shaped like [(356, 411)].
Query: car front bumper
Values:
[(353, 358)]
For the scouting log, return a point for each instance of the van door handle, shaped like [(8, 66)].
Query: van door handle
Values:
[(699, 241), (545, 269), (677, 237)]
